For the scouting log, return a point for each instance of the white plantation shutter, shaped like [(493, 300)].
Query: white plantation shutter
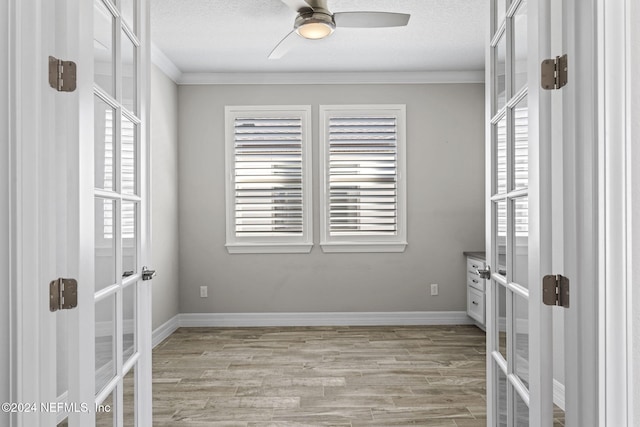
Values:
[(363, 149), (268, 176), (268, 200), (363, 176)]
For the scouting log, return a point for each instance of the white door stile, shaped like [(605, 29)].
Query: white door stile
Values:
[(488, 228), (81, 332), (144, 403), (540, 185), (32, 138), (581, 235)]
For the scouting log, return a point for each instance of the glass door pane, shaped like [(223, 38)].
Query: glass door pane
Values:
[(129, 394), (105, 412), (103, 44), (105, 342), (104, 121), (501, 73), (128, 322), (105, 243), (129, 68), (521, 339), (520, 141), (520, 48)]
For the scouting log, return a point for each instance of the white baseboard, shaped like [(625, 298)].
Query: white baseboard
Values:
[(558, 393), (163, 331), (309, 319), (326, 319)]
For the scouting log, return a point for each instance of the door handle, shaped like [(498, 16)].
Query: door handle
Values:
[(484, 273), (147, 274)]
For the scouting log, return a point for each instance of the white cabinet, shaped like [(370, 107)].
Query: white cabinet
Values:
[(475, 288)]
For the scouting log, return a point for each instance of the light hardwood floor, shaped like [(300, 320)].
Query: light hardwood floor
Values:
[(321, 376), (338, 376)]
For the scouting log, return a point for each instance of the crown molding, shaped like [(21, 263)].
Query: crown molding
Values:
[(163, 62), (167, 66), (406, 77)]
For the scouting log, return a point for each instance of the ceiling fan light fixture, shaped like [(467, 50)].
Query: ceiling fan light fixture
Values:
[(314, 26)]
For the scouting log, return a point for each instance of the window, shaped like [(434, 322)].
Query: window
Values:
[(268, 165), (363, 206)]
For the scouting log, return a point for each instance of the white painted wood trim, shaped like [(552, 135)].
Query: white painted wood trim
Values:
[(363, 247), (285, 248), (614, 174), (417, 77), (582, 242), (367, 243), (165, 330), (633, 197), (166, 65), (269, 244), (6, 194), (162, 61), (325, 319)]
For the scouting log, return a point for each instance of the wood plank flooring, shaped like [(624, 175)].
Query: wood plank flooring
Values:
[(321, 376)]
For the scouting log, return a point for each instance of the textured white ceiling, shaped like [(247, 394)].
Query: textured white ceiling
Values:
[(226, 36)]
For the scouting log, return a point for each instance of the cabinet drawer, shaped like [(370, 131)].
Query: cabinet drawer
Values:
[(475, 281), (473, 265), (475, 304)]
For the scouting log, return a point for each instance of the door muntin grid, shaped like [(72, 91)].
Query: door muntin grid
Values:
[(117, 193), (508, 350)]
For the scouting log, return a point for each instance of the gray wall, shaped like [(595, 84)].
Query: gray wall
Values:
[(5, 279), (445, 146), (164, 195)]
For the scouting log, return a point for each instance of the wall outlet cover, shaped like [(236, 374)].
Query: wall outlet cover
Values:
[(434, 289)]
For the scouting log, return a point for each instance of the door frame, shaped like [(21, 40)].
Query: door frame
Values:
[(616, 184), (614, 398), (633, 142), (581, 193)]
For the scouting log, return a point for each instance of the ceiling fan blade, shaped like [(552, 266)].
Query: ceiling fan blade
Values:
[(297, 5), (370, 19), (285, 45)]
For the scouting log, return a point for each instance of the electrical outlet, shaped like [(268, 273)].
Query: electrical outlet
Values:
[(204, 292), (434, 289)]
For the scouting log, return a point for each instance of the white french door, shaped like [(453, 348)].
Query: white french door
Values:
[(81, 160), (120, 239), (519, 334)]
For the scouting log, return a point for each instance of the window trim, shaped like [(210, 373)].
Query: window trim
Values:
[(269, 244), (396, 243)]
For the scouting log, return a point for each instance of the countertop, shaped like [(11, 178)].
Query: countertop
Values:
[(477, 255)]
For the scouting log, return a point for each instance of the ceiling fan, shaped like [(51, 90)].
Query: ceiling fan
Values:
[(315, 21)]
